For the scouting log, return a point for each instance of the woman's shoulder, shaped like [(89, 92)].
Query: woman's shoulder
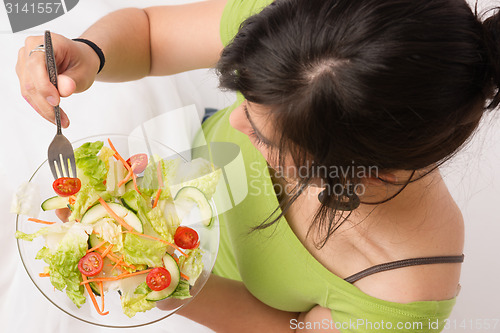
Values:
[(432, 226), (423, 221)]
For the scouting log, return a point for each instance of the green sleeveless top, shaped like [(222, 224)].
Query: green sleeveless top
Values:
[(272, 263)]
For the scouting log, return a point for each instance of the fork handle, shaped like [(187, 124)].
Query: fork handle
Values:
[(52, 71), (49, 59), (57, 112)]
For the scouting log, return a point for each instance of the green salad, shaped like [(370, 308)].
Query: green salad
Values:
[(123, 231)]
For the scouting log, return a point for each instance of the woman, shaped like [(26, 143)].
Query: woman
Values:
[(346, 110)]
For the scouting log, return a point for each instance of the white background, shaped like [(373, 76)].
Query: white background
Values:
[(473, 176)]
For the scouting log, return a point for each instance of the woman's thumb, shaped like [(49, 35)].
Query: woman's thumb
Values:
[(66, 85)]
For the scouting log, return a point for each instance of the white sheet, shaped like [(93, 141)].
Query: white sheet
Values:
[(473, 177)]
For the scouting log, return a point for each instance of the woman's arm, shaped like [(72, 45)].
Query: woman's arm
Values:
[(135, 42), (193, 40), (226, 305), (158, 40)]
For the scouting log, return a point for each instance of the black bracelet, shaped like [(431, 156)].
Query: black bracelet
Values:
[(97, 50)]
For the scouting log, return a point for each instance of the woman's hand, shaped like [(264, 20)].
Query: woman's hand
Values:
[(136, 43), (77, 66)]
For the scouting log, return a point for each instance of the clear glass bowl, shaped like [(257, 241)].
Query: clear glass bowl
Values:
[(42, 178)]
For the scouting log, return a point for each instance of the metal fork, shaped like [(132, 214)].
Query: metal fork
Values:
[(61, 157)]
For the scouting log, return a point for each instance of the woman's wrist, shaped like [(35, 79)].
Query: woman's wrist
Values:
[(90, 55), (96, 49)]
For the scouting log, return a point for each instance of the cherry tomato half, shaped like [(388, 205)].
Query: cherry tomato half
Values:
[(91, 264), (158, 279), (63, 214), (140, 161), (66, 186), (186, 238)]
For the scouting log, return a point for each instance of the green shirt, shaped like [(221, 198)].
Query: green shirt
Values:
[(272, 263)]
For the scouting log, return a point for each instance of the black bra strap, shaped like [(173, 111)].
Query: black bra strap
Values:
[(404, 263)]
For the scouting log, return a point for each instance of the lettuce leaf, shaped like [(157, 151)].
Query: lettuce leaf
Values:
[(165, 226), (105, 154), (149, 184), (142, 289), (66, 244), (141, 207), (30, 237), (192, 265), (199, 173), (90, 168), (109, 231), (141, 250), (88, 149), (131, 304), (26, 200), (133, 297), (85, 198), (182, 290)]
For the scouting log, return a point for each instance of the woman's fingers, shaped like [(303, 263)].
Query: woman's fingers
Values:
[(35, 85), (48, 114), (75, 68)]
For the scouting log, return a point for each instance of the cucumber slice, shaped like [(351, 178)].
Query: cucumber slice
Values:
[(97, 212), (175, 275), (193, 194), (94, 240), (129, 201), (55, 203), (130, 184), (95, 288)]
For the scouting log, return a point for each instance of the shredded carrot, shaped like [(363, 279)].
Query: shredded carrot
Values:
[(72, 199), (114, 215), (118, 265), (185, 276), (158, 239), (157, 197), (118, 277), (40, 221), (134, 179), (176, 260), (129, 175), (125, 164), (160, 184), (124, 180), (101, 291), (108, 249), (92, 297), (44, 274), (96, 247), (113, 147), (116, 260), (122, 260), (123, 263)]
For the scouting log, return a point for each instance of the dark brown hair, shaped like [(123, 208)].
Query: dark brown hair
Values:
[(392, 84)]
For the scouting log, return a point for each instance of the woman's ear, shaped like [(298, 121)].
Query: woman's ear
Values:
[(381, 179)]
